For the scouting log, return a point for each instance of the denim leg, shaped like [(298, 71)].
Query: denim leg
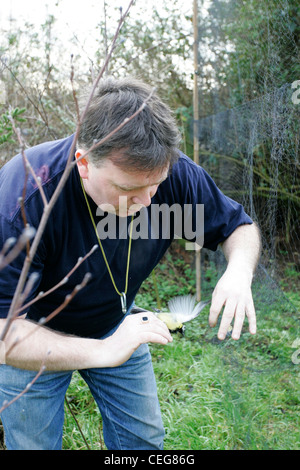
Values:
[(127, 399), (34, 421)]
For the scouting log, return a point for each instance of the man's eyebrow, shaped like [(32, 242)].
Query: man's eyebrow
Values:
[(129, 187)]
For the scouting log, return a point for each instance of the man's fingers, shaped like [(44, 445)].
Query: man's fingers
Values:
[(251, 315), (215, 309), (238, 313), (239, 321), (228, 314), (152, 337), (156, 330)]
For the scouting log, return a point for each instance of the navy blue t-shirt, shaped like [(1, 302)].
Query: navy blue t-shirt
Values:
[(69, 234)]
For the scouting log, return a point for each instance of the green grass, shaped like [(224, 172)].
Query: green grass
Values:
[(215, 395)]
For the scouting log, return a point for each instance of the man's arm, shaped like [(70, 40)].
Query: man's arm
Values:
[(38, 344), (233, 291)]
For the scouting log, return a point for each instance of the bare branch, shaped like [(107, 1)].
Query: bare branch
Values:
[(29, 285), (6, 404), (5, 258), (73, 90), (44, 117), (41, 295), (27, 167), (27, 234), (45, 320), (65, 175)]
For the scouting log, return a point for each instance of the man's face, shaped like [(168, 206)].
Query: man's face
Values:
[(115, 190)]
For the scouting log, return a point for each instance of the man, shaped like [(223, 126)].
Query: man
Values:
[(136, 168)]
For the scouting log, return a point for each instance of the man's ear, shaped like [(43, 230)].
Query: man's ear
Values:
[(82, 163)]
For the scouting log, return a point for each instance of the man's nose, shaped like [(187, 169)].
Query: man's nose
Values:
[(144, 196)]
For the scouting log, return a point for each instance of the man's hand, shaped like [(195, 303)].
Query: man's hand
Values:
[(131, 334), (233, 291)]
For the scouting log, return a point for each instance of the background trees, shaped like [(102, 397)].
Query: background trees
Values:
[(248, 60), (36, 65), (249, 131)]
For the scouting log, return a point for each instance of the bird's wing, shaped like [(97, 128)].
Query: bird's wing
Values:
[(184, 309)]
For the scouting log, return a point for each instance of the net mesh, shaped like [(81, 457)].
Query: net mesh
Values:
[(249, 108), (248, 72), (252, 153)]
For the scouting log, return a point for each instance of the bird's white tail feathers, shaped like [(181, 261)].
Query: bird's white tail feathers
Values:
[(184, 307)]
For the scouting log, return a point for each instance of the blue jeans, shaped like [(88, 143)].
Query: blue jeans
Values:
[(126, 397)]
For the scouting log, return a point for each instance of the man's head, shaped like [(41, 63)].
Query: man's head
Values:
[(147, 142), (137, 158)]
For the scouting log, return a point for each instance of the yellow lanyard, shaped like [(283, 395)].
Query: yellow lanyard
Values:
[(121, 294)]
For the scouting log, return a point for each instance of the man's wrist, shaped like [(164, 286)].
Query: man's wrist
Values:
[(239, 266)]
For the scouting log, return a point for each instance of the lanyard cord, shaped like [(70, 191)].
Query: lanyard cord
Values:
[(101, 247)]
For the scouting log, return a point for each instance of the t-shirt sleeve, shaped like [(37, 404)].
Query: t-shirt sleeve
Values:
[(214, 215), (222, 215), (10, 274)]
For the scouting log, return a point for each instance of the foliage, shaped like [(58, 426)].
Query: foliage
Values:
[(253, 48), (156, 50), (30, 81), (266, 38), (6, 130), (35, 68)]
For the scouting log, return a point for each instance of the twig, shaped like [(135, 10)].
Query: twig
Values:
[(76, 421), (45, 320), (27, 166), (27, 234), (41, 295), (28, 287), (17, 298), (44, 117), (36, 178), (73, 89), (21, 201), (28, 386)]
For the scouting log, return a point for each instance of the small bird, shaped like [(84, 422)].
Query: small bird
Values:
[(181, 310)]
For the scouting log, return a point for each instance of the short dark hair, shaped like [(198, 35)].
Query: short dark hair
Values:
[(150, 140)]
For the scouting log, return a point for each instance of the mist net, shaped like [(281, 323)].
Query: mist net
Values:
[(248, 129)]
